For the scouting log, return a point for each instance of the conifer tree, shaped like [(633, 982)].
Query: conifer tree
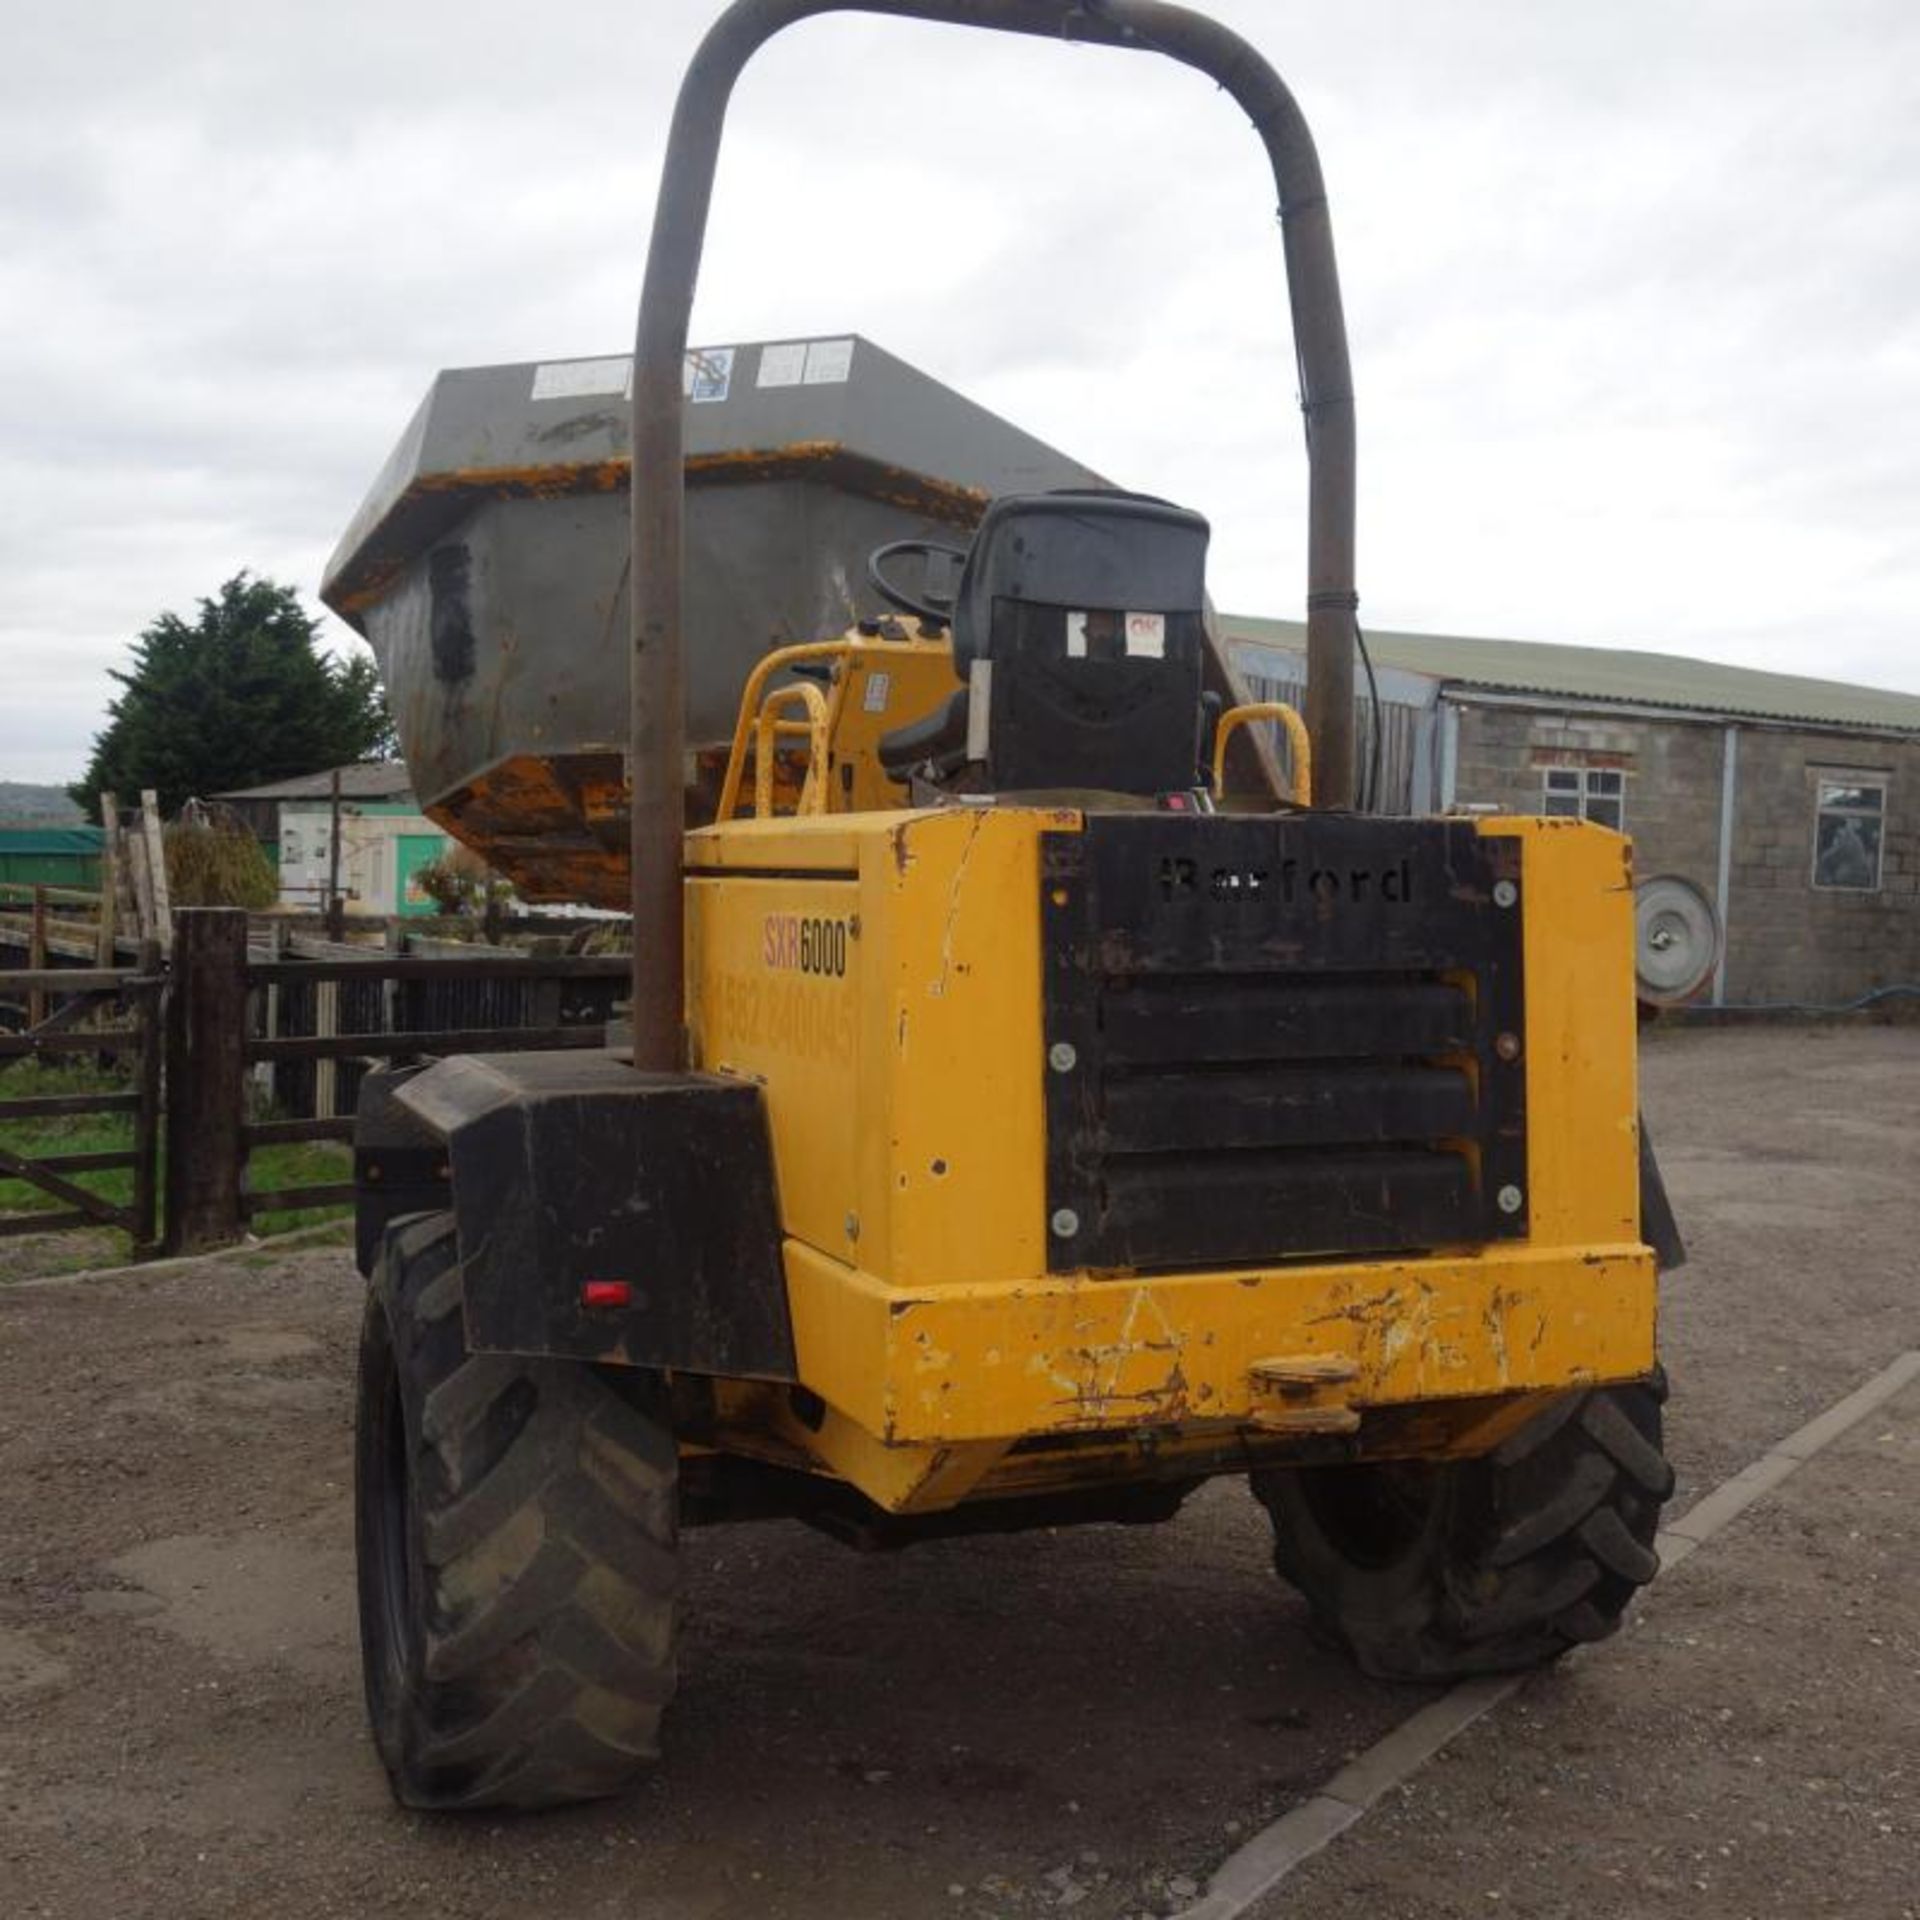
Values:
[(238, 697)]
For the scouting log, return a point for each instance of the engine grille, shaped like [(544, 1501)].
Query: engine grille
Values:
[(1280, 1037)]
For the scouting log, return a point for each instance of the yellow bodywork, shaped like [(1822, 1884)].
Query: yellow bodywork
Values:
[(879, 972)]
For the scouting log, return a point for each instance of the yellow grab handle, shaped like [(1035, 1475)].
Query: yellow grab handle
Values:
[(1236, 717), (745, 727), (813, 793)]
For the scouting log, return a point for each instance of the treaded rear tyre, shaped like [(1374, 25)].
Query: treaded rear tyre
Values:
[(515, 1521), (1434, 1571)]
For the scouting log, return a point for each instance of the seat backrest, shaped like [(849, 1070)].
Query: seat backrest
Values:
[(1079, 628)]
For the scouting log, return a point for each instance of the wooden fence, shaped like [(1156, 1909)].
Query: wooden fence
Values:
[(97, 1014), (45, 925), (296, 1031), (242, 1043), (126, 915)]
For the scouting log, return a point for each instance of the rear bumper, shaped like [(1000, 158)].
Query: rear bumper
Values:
[(1267, 1347)]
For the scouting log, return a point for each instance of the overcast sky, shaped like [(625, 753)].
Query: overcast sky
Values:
[(1634, 290)]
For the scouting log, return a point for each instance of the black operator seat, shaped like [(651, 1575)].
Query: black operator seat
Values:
[(1079, 628)]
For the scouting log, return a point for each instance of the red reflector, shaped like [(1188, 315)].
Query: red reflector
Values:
[(606, 1293)]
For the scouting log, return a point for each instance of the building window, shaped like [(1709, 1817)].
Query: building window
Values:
[(1848, 817), (1598, 794)]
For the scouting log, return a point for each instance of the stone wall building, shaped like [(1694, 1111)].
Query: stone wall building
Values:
[(1792, 803)]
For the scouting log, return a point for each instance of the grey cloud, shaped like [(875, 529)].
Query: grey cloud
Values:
[(1631, 289)]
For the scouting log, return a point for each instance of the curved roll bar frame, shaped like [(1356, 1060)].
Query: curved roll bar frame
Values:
[(658, 741)]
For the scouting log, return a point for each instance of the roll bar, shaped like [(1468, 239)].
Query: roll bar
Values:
[(658, 745)]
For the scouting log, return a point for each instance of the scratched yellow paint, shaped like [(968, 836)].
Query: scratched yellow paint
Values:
[(911, 1161), (753, 1016), (927, 1130), (1070, 1354), (1583, 1142)]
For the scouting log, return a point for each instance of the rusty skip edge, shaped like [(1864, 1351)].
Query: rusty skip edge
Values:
[(437, 502)]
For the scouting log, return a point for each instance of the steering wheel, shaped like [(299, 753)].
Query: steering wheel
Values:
[(930, 603)]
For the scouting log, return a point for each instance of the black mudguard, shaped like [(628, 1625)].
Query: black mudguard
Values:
[(564, 1169), (1658, 1228)]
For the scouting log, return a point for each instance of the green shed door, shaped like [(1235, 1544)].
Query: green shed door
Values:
[(416, 850)]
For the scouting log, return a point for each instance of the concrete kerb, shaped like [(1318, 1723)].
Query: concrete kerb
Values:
[(139, 1269), (1416, 1740), (1255, 1869), (1825, 1428), (1273, 1853)]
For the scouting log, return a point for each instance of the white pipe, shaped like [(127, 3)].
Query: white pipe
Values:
[(1449, 752), (1729, 779)]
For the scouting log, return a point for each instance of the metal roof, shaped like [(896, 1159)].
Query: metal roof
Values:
[(1617, 676), (368, 780)]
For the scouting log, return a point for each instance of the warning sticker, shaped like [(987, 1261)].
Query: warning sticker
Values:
[(879, 685), (707, 376), (784, 365), (578, 379), (1100, 635), (829, 362)]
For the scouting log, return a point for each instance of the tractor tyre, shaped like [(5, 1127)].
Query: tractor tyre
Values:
[(1433, 1570), (515, 1522)]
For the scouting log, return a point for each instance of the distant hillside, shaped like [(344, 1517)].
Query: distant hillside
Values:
[(21, 801)]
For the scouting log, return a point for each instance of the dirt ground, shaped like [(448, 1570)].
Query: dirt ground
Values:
[(1088, 1720), (1750, 1747)]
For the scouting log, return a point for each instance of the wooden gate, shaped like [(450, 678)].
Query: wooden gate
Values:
[(104, 1016)]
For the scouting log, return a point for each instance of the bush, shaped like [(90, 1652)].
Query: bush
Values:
[(218, 864), (459, 882)]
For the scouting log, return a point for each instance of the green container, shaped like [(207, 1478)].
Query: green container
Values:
[(51, 857)]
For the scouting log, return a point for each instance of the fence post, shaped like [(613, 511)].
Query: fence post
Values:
[(107, 952), (37, 956), (149, 1004), (154, 840), (206, 1079)]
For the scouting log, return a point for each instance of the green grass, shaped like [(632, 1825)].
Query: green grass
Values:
[(268, 1169)]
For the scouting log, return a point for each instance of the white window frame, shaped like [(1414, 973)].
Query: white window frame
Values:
[(1579, 786), (1880, 783)]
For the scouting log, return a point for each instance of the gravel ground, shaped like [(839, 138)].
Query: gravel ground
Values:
[(1751, 1746), (1088, 1721)]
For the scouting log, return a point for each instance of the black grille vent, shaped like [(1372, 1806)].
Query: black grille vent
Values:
[(1275, 1038)]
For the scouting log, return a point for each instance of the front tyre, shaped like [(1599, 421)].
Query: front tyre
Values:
[(515, 1525), (1434, 1570)]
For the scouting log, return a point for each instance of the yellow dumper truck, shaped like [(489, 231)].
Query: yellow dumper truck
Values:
[(1043, 1089)]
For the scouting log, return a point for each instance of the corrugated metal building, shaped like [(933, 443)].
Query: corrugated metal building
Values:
[(1793, 803)]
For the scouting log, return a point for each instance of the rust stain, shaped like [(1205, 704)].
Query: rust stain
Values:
[(390, 548), (1090, 1376), (1495, 1317), (1366, 1313)]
